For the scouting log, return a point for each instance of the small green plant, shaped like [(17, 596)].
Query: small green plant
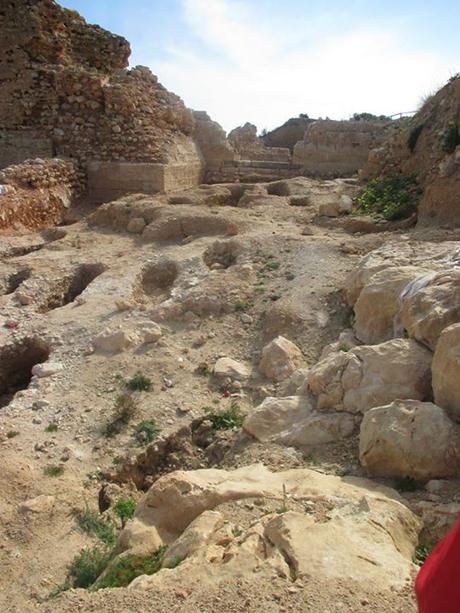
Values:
[(284, 507), (272, 265), (228, 419), (51, 428), (53, 470), (148, 429), (87, 566), (451, 138), (124, 508), (421, 554), (340, 471), (290, 276), (241, 307), (124, 410), (236, 531), (139, 383), (390, 198), (128, 567), (406, 484), (344, 347), (12, 434), (414, 136), (91, 523)]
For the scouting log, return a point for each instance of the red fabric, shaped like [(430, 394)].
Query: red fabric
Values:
[(438, 581)]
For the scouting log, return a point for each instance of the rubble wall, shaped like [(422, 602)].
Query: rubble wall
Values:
[(337, 148)]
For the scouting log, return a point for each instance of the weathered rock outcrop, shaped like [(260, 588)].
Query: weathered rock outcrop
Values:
[(370, 376), (289, 542), (337, 148), (409, 439), (446, 371), (292, 421), (428, 145)]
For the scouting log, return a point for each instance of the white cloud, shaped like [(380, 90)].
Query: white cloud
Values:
[(245, 74)]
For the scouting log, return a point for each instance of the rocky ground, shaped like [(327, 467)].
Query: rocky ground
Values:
[(171, 286)]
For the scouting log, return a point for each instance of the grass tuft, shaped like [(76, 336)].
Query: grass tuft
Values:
[(91, 523), (53, 470), (139, 383), (128, 567), (148, 429), (228, 419)]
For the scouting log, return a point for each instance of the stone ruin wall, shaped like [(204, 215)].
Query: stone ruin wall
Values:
[(249, 146), (36, 194), (66, 93), (287, 135), (337, 148)]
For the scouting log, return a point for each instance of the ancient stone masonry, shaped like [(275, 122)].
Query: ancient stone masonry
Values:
[(35, 194), (428, 145), (66, 91), (250, 147), (337, 148), (289, 133)]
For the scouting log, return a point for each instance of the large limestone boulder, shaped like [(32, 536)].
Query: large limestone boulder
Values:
[(431, 308), (408, 438), (232, 369), (370, 534), (378, 305), (280, 358), (446, 371), (292, 421), (371, 375)]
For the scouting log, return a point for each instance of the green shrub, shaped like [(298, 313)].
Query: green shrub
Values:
[(91, 523), (53, 470), (149, 429), (413, 137), (125, 509), (451, 138), (421, 554), (51, 428), (229, 419), (128, 567), (87, 566), (12, 434), (390, 198), (139, 383), (124, 410)]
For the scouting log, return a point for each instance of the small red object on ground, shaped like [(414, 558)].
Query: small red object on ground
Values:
[(11, 325)]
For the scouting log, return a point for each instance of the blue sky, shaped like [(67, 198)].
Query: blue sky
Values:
[(265, 61)]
